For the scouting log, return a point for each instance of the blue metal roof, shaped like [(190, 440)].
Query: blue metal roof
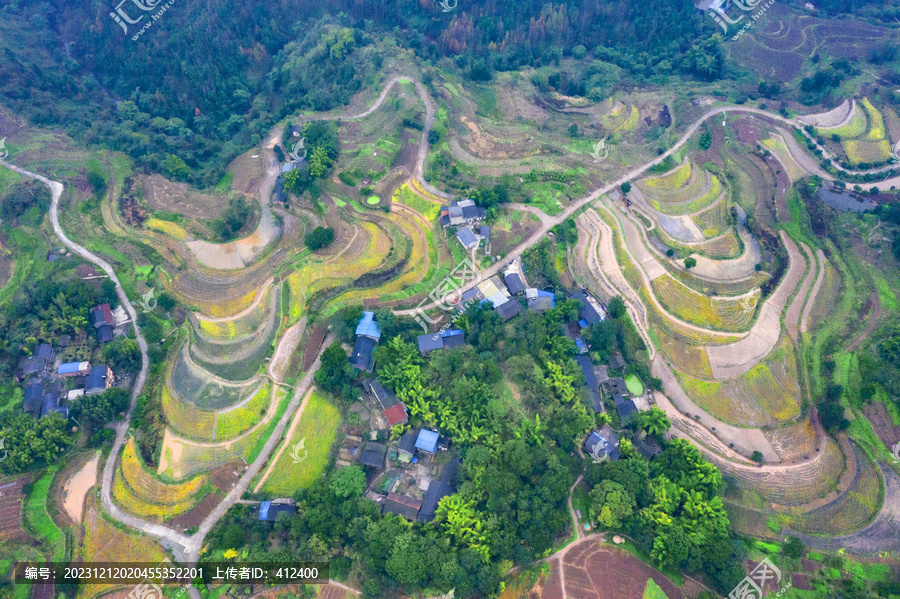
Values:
[(368, 327), (427, 440), (70, 368), (264, 510), (451, 333)]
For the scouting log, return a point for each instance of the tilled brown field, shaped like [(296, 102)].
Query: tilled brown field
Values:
[(593, 570), (11, 499)]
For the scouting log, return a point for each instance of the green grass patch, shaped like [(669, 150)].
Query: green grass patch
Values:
[(316, 431), (224, 184), (373, 200), (38, 520)]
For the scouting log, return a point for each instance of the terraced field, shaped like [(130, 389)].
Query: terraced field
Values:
[(863, 137), (202, 389), (852, 510), (714, 221), (710, 195), (234, 421), (241, 324), (142, 494), (720, 314), (186, 419)]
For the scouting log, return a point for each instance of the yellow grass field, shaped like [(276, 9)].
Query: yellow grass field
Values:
[(232, 423), (186, 419), (709, 197), (317, 429), (171, 229), (853, 129), (148, 487), (128, 498), (692, 307), (672, 181), (714, 221), (876, 122), (631, 122), (104, 542), (227, 330), (406, 194), (859, 151)]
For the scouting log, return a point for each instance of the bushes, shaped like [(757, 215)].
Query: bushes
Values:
[(319, 238)]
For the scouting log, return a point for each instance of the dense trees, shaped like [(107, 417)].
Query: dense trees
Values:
[(32, 443), (234, 219), (22, 197), (97, 410), (319, 237)]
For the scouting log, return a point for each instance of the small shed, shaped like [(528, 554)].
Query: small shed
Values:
[(270, 511), (509, 309), (373, 455), (396, 414), (514, 283), (427, 440), (363, 356), (402, 505), (467, 238), (617, 362), (407, 447)]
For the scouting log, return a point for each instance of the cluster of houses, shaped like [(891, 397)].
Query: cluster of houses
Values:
[(464, 214), (50, 390)]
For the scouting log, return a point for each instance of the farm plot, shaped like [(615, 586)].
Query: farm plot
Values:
[(410, 196), (186, 419), (240, 325), (792, 442), (750, 522), (11, 510), (851, 128), (766, 395), (593, 570), (181, 457), (859, 151), (368, 252), (714, 221), (720, 314), (724, 247), (808, 481), (234, 421), (141, 493), (165, 227), (688, 358), (306, 448), (203, 389), (853, 509), (709, 196), (106, 542)]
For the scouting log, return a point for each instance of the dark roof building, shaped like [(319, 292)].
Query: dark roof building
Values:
[(437, 490), (485, 232), (385, 398), (43, 351), (363, 356), (448, 339), (617, 385), (617, 362), (49, 403), (102, 315), (396, 414), (514, 283), (407, 444), (626, 410), (105, 333), (541, 304), (270, 511), (462, 212), (509, 309), (278, 191), (373, 455), (402, 506), (646, 446), (467, 238), (99, 380), (33, 365), (588, 369), (590, 310), (34, 395), (602, 445)]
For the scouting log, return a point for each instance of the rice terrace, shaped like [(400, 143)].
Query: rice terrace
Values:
[(462, 302)]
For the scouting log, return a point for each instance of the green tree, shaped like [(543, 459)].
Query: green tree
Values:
[(33, 443), (319, 238), (616, 307), (176, 167), (348, 482), (654, 421), (97, 410), (625, 187), (319, 162), (611, 505), (690, 262)]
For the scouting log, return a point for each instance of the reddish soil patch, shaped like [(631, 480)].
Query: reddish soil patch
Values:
[(748, 133), (553, 588), (42, 591), (224, 477), (194, 516), (596, 571), (11, 510), (333, 592), (809, 565), (884, 426), (801, 581), (316, 337)]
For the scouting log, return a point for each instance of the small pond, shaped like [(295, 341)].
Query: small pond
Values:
[(845, 201)]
